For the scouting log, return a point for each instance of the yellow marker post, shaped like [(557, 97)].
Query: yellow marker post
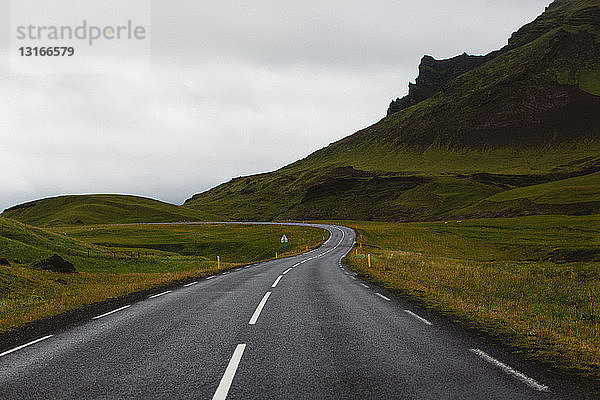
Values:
[(218, 262), (276, 255), (356, 251), (369, 258)]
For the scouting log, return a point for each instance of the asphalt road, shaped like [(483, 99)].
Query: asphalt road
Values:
[(297, 328)]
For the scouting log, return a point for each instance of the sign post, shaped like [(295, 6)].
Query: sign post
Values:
[(284, 240)]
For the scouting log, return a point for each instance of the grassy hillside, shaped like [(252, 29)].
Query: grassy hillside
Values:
[(101, 209), (531, 283), (130, 258), (529, 115), (579, 189)]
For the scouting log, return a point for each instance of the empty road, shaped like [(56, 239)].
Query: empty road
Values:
[(297, 328)]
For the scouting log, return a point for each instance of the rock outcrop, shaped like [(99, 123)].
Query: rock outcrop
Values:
[(433, 75), (56, 264)]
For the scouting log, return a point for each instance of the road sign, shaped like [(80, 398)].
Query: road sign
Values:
[(284, 239)]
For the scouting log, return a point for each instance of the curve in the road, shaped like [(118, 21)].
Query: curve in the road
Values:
[(300, 327)]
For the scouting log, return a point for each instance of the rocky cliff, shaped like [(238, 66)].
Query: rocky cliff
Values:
[(433, 75)]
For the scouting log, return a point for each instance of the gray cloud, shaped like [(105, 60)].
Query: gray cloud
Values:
[(236, 88)]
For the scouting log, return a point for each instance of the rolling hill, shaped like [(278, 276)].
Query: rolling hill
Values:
[(524, 116), (101, 209)]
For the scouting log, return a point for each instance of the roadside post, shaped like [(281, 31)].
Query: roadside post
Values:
[(284, 241), (369, 258), (218, 263)]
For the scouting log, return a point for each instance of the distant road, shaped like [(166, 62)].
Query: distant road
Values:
[(296, 328)]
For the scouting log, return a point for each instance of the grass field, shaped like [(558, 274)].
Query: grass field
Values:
[(130, 258), (532, 283)]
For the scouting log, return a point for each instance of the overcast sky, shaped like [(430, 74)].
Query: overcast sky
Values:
[(235, 88)]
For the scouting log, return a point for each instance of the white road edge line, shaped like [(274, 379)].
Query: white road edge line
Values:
[(532, 383), (423, 320), (112, 312), (286, 271), (225, 384), (258, 310), (382, 296), (190, 284), (362, 284), (160, 294), (277, 281), (25, 345)]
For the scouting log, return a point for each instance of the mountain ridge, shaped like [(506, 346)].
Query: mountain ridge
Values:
[(525, 117), (531, 109)]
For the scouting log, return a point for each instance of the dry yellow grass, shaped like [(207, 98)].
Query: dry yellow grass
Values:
[(37, 294)]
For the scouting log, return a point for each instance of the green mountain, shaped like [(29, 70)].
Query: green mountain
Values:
[(101, 209), (527, 116)]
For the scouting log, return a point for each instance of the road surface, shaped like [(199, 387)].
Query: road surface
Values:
[(297, 328)]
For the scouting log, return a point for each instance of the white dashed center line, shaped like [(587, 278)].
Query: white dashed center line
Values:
[(277, 281), (229, 374), (112, 312), (532, 383), (258, 310), (25, 345), (286, 271), (363, 285)]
